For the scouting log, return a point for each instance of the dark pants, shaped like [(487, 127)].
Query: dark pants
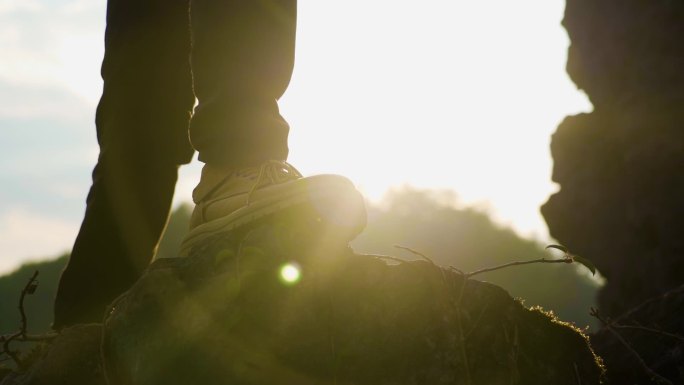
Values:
[(241, 53)]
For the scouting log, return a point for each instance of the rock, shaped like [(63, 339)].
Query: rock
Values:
[(626, 52), (620, 167), (72, 358), (664, 354), (224, 316)]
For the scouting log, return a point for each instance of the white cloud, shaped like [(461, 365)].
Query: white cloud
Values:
[(27, 235), (7, 6), (54, 43), (26, 101), (80, 7)]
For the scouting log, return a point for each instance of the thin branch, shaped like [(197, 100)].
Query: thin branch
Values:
[(517, 263), (6, 348), (577, 375), (418, 253), (566, 259), (609, 326), (649, 330), (389, 257), (29, 288)]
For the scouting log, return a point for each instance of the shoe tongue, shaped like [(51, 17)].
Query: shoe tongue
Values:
[(211, 177)]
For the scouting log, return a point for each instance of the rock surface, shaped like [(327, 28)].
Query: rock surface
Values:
[(72, 358), (223, 316), (621, 167)]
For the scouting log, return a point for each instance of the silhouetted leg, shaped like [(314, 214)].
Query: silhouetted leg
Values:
[(242, 61), (142, 122)]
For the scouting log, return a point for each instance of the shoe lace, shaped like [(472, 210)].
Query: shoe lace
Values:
[(276, 171)]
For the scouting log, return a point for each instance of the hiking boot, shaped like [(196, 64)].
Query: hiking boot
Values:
[(228, 200)]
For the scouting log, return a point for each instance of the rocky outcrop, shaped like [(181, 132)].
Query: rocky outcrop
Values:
[(226, 316), (286, 301), (621, 167)]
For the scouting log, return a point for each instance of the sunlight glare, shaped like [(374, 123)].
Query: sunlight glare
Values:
[(290, 273), (454, 95)]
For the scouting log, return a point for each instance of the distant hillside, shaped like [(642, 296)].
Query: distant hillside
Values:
[(466, 238), (39, 305), (423, 220)]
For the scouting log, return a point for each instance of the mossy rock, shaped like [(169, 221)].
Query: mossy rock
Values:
[(225, 316)]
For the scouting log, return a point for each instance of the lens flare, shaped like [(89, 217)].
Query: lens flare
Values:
[(290, 273)]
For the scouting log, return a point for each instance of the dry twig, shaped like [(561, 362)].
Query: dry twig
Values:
[(29, 288), (518, 263), (611, 328), (21, 334), (388, 257), (418, 253), (649, 330)]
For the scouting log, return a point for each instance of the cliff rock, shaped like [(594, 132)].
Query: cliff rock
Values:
[(621, 167)]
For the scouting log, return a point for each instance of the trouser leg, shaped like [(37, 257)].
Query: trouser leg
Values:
[(242, 61), (142, 122)]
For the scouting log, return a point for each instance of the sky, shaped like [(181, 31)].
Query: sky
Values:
[(439, 94)]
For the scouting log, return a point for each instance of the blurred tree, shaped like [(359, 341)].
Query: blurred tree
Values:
[(179, 222), (428, 221), (432, 223)]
